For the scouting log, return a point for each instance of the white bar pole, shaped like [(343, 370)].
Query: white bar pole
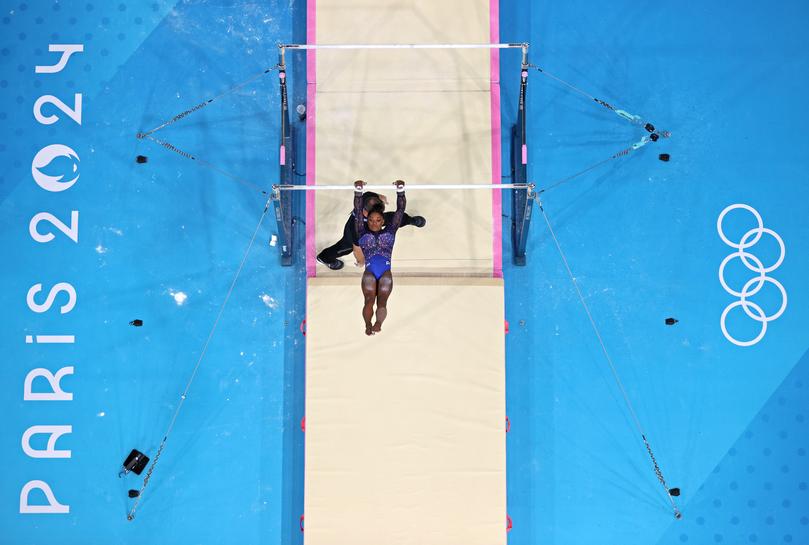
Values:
[(391, 187), (403, 46)]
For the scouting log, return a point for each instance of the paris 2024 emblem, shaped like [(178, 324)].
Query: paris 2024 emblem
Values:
[(744, 251)]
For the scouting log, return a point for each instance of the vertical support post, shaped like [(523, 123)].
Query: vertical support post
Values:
[(282, 200), (283, 216), (522, 199)]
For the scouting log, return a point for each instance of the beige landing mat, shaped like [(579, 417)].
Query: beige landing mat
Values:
[(405, 431), (423, 116)]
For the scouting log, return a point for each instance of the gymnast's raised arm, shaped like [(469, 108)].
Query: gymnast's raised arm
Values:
[(401, 203), (359, 225)]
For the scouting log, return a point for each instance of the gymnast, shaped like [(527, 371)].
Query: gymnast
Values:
[(350, 241), (376, 239)]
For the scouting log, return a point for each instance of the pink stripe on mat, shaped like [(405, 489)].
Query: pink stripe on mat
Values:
[(497, 205), (311, 88)]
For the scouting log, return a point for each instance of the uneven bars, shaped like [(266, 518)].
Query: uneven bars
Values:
[(404, 46), (287, 187)]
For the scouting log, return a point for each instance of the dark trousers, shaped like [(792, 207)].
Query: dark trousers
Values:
[(345, 245)]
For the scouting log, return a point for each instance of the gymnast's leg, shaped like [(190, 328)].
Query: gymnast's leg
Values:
[(369, 292), (329, 256), (385, 286)]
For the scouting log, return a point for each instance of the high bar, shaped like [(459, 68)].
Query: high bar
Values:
[(287, 187), (404, 46)]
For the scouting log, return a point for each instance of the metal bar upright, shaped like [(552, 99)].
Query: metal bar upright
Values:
[(282, 200), (522, 199)]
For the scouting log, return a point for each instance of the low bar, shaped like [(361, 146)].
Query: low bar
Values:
[(523, 46), (289, 187)]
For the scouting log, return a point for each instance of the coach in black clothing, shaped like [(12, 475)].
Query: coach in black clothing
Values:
[(345, 245)]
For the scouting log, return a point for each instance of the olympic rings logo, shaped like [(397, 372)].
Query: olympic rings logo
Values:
[(754, 264)]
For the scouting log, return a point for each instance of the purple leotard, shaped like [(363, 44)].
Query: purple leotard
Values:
[(378, 247)]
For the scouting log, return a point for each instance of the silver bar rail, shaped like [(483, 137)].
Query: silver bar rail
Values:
[(286, 187), (404, 46)]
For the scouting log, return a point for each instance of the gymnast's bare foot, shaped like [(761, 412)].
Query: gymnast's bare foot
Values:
[(368, 330), (377, 328)]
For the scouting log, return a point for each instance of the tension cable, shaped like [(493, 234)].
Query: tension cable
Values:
[(131, 515), (201, 105), (171, 147), (623, 153), (653, 136), (658, 472), (148, 134), (632, 118)]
